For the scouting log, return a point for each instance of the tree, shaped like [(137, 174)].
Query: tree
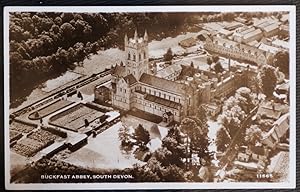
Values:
[(174, 174), (253, 135), (209, 61), (168, 56), (176, 150), (197, 139), (218, 67), (141, 135), (124, 137), (281, 60), (215, 58), (222, 139), (268, 80)]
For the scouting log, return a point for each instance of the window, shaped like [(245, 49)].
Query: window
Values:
[(140, 57), (124, 90), (144, 55), (133, 57), (128, 56)]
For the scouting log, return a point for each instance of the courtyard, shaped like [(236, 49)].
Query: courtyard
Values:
[(103, 152)]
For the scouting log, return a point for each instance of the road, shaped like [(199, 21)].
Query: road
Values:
[(61, 93)]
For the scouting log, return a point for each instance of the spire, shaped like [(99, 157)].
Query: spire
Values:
[(126, 39), (145, 36), (135, 35)]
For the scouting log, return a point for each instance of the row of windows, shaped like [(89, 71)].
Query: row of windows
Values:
[(242, 49), (134, 58), (121, 99), (155, 107), (158, 94)]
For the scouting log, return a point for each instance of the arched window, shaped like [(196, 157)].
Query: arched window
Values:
[(140, 57), (133, 57), (128, 56)]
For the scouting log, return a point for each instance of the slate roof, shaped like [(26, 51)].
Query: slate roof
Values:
[(168, 70), (266, 109), (119, 71), (271, 27), (162, 101), (130, 79), (163, 84), (252, 33)]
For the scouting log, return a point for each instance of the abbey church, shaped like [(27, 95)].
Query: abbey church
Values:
[(134, 87)]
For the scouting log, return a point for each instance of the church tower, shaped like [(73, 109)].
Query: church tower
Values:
[(137, 55)]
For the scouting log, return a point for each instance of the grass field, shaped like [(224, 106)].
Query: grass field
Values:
[(50, 109)]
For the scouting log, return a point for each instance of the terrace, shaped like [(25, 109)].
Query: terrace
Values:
[(49, 109)]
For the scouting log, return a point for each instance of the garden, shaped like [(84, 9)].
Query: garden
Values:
[(75, 117), (21, 127), (34, 142)]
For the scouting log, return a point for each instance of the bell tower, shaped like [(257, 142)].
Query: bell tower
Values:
[(137, 55)]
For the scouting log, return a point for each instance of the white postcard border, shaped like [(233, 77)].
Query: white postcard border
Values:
[(167, 185)]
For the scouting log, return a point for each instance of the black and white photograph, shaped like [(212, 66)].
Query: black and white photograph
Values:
[(150, 97)]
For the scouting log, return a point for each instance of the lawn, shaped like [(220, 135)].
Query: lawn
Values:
[(158, 48), (103, 152), (73, 118), (45, 111), (53, 84)]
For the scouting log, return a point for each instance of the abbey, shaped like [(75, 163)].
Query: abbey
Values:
[(135, 87)]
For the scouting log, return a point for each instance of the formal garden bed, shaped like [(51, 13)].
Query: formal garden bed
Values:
[(14, 135), (34, 142), (21, 127), (75, 117)]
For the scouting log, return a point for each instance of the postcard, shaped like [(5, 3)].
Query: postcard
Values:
[(150, 97)]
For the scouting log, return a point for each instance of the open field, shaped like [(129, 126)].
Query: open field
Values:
[(47, 110), (53, 84), (73, 118)]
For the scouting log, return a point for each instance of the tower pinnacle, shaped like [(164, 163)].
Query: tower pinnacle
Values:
[(126, 39), (135, 35), (145, 36)]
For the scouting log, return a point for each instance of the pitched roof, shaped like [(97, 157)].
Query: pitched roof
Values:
[(271, 27), (168, 70), (162, 101), (130, 79), (252, 33), (257, 150), (119, 71), (266, 108), (164, 84)]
